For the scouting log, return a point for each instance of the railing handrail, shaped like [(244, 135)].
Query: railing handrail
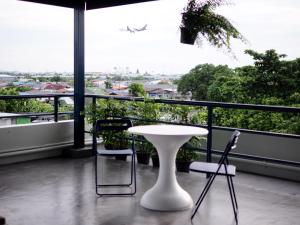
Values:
[(272, 108), (6, 97), (170, 101)]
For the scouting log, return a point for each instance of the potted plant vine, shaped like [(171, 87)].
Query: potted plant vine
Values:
[(199, 21), (155, 158), (147, 112), (144, 150), (187, 154), (108, 109)]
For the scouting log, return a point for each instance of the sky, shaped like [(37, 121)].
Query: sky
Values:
[(39, 38)]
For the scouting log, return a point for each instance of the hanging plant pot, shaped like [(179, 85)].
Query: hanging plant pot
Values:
[(186, 36)]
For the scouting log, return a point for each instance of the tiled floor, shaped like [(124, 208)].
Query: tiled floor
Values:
[(61, 192)]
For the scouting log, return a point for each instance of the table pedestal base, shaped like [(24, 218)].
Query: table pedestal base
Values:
[(174, 200)]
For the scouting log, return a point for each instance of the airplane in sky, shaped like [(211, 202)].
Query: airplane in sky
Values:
[(141, 29), (133, 30)]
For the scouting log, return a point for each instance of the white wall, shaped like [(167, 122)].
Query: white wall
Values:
[(32, 141)]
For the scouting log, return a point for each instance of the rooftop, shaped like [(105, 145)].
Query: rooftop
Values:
[(61, 191)]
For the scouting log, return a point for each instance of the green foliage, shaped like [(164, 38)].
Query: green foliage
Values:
[(188, 115), (272, 76), (108, 84), (271, 81), (22, 105), (109, 109), (200, 78), (23, 89), (201, 20), (226, 89), (147, 112), (57, 78), (106, 109), (136, 90), (186, 155)]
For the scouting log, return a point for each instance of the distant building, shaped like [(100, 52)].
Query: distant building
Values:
[(98, 83), (66, 101), (161, 93), (7, 78), (3, 84), (123, 93), (54, 86), (13, 120), (119, 87)]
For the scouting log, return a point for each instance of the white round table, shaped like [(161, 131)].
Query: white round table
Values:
[(166, 194)]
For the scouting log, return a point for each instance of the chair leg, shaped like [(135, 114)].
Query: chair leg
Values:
[(204, 190), (233, 192), (2, 220), (132, 179), (96, 174), (134, 172), (232, 198), (203, 194)]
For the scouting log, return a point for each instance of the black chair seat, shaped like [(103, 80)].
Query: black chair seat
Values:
[(115, 152), (212, 168)]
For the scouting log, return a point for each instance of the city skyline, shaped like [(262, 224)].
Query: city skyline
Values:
[(39, 38)]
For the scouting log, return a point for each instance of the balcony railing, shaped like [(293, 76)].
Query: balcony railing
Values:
[(210, 106)]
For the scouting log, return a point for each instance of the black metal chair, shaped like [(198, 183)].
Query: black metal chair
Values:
[(220, 168), (114, 125)]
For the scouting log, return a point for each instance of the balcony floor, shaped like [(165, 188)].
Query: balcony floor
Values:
[(61, 192)]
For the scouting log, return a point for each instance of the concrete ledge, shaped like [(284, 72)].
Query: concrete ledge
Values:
[(78, 152), (34, 141)]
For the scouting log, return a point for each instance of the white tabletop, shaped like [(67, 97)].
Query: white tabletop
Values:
[(168, 130)]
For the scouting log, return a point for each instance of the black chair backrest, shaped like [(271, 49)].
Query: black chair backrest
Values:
[(113, 125), (230, 145)]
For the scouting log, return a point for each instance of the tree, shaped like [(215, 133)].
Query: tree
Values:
[(21, 105), (57, 78), (200, 78), (108, 84), (227, 89), (137, 90), (272, 76)]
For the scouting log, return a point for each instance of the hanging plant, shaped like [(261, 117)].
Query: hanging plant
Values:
[(199, 21)]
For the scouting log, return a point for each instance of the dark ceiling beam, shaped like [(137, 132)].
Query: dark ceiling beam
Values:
[(90, 4), (97, 4), (63, 3)]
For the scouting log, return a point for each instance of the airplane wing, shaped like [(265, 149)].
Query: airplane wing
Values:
[(141, 29)]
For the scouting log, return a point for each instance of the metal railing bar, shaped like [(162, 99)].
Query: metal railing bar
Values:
[(35, 114), (250, 157), (9, 97), (208, 103), (267, 133), (260, 158)]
